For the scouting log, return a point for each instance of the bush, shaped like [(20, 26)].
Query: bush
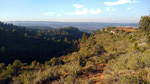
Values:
[(17, 65), (98, 49), (129, 68), (38, 77), (34, 63), (129, 37), (10, 71), (142, 75), (54, 61), (129, 80), (144, 25), (104, 58), (13, 69), (47, 63), (135, 46), (26, 77), (132, 40)]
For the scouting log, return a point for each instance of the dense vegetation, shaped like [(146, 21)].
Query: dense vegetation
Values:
[(108, 56), (28, 44), (144, 25)]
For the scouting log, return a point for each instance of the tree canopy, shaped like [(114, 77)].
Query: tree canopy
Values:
[(144, 24)]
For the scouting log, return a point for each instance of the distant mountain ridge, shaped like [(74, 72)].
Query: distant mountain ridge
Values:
[(80, 25)]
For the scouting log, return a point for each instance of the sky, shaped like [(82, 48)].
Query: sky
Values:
[(109, 11)]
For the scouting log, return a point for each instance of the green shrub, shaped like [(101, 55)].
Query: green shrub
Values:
[(98, 49), (73, 68), (13, 69), (38, 77), (34, 63), (10, 70), (89, 63), (142, 75), (17, 65), (54, 61), (129, 80), (135, 46), (27, 77), (130, 68), (129, 37), (132, 40), (104, 58), (47, 63), (94, 59)]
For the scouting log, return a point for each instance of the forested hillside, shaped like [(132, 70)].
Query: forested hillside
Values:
[(27, 44), (108, 56)]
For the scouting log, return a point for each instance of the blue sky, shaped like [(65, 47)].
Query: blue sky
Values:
[(120, 11)]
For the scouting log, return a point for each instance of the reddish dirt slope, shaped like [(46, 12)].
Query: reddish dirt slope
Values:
[(130, 30)]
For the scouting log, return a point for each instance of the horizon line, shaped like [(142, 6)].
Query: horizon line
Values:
[(65, 21)]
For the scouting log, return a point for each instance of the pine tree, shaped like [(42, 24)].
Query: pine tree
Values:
[(144, 25), (84, 37)]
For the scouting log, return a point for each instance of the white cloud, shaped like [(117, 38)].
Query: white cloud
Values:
[(97, 11), (119, 2), (77, 6), (48, 13), (128, 8), (80, 10), (85, 11)]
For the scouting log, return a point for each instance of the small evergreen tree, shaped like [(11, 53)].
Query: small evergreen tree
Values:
[(34, 63), (17, 65), (84, 37), (144, 25), (98, 49)]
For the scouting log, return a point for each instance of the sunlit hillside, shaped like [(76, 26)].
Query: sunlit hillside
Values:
[(74, 42)]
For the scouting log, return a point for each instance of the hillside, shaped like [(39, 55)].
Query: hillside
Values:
[(83, 26), (88, 64), (27, 44), (121, 57)]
